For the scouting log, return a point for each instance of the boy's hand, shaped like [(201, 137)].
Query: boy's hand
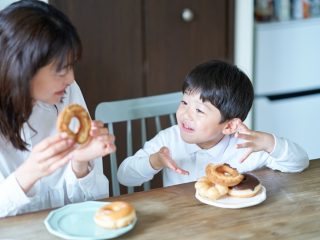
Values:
[(255, 141), (163, 159)]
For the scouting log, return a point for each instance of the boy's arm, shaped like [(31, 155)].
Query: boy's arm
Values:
[(287, 156), (136, 170), (284, 155)]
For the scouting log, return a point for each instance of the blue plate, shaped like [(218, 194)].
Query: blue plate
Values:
[(75, 221)]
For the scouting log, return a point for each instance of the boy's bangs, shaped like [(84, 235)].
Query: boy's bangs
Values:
[(205, 95)]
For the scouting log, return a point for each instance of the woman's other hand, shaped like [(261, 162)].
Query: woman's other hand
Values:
[(45, 158)]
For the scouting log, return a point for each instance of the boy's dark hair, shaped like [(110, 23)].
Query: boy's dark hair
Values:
[(224, 85)]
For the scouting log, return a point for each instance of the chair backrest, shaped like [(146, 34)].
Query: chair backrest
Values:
[(134, 109)]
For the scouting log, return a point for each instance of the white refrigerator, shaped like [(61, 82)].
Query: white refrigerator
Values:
[(287, 81)]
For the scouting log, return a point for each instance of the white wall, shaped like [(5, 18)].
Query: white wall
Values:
[(243, 55)]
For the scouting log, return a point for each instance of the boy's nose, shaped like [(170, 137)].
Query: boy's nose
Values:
[(188, 114)]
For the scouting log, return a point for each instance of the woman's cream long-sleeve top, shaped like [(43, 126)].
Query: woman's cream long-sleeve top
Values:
[(61, 187)]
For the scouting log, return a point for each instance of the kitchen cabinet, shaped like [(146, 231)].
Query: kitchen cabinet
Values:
[(287, 81), (135, 48)]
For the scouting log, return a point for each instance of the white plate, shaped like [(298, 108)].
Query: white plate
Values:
[(75, 221), (233, 202)]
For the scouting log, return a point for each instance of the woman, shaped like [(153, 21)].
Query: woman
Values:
[(40, 168)]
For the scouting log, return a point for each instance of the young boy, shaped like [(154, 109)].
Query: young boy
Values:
[(216, 99)]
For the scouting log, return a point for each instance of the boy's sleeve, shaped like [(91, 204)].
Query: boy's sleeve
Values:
[(287, 156), (136, 170)]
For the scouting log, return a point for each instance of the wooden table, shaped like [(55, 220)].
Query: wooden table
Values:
[(291, 211)]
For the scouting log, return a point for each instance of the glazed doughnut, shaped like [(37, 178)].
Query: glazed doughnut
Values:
[(65, 117), (248, 187), (206, 188), (223, 174), (115, 215)]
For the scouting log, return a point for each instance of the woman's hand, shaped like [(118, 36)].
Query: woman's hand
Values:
[(255, 141), (100, 144), (45, 158), (163, 159)]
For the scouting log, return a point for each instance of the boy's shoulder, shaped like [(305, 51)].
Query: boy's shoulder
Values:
[(172, 132), (169, 136)]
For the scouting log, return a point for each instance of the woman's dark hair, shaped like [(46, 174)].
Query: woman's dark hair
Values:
[(224, 85), (33, 34)]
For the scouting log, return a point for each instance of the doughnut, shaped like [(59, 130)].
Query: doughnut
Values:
[(248, 187), (115, 215), (65, 117), (223, 174), (206, 188)]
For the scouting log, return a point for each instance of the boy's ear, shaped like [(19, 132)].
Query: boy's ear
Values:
[(231, 126)]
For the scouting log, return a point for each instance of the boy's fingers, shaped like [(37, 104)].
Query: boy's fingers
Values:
[(181, 171), (244, 145), (243, 129), (243, 136), (173, 166), (245, 156)]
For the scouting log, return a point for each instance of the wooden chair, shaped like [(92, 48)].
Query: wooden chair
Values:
[(136, 109)]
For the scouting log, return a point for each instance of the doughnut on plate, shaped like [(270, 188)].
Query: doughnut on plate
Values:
[(75, 221), (233, 202)]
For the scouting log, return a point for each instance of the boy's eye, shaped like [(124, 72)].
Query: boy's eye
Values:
[(199, 111), (183, 102)]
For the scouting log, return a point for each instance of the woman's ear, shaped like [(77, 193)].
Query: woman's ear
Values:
[(231, 126)]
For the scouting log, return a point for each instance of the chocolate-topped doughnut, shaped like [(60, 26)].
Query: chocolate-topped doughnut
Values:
[(248, 187)]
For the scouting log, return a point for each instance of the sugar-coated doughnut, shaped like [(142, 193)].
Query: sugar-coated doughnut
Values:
[(115, 215), (65, 117), (206, 188), (223, 174), (248, 187)]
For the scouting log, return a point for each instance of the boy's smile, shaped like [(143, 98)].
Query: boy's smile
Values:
[(199, 122), (185, 127)]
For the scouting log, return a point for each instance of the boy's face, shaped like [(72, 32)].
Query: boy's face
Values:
[(199, 122)]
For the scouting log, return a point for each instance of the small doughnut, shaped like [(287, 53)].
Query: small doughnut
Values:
[(248, 187), (65, 117), (206, 188), (223, 174), (115, 215)]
